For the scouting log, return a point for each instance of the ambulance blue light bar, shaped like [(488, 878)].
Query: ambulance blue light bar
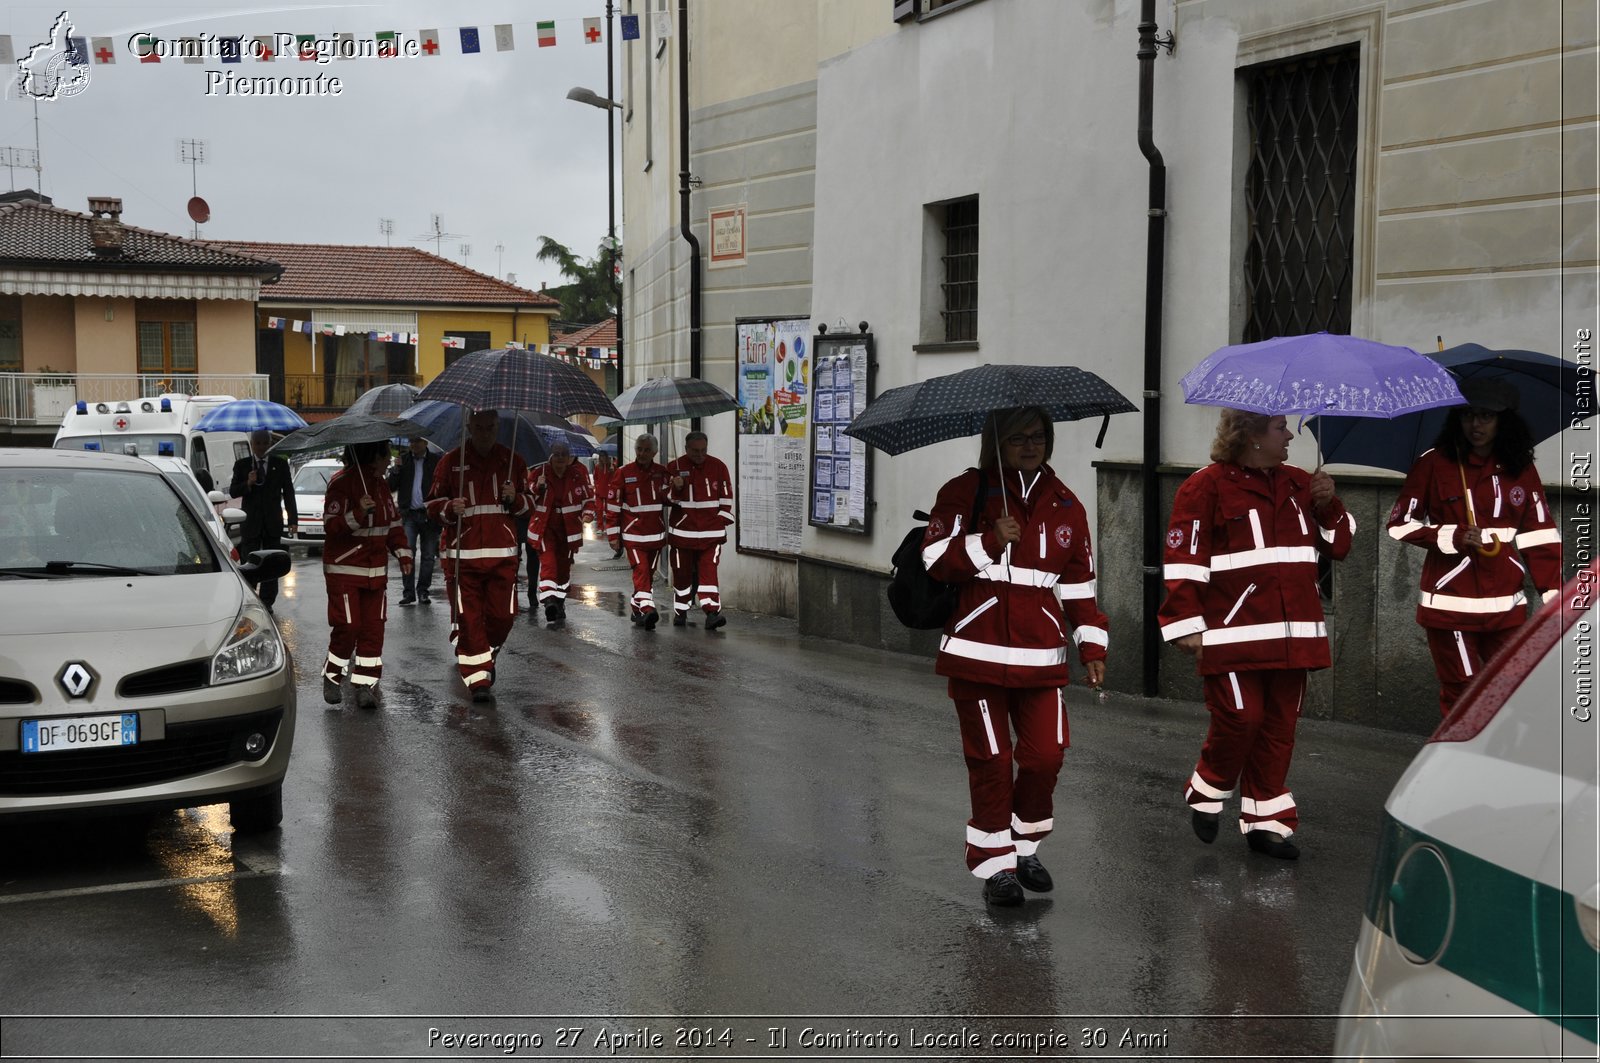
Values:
[(91, 445), (83, 407), (166, 405)]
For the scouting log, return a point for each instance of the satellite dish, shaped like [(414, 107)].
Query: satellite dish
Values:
[(198, 210)]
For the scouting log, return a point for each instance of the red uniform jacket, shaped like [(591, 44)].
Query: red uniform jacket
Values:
[(636, 507), (1008, 627), (602, 485), (703, 507), (488, 532), (559, 509), (1463, 590), (359, 543), (1241, 568)]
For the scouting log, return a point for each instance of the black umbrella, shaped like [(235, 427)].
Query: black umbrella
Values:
[(515, 379), (386, 400), (1547, 385), (342, 431), (955, 405)]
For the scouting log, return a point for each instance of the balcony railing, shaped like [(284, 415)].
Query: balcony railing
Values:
[(45, 398), (317, 392)]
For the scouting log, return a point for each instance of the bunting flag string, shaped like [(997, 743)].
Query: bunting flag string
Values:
[(146, 48), (593, 357)]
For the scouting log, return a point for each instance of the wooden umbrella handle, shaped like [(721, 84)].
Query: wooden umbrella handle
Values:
[(1492, 547)]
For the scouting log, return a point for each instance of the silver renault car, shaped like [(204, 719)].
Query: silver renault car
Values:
[(138, 669)]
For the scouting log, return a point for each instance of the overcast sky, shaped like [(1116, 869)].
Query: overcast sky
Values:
[(487, 141)]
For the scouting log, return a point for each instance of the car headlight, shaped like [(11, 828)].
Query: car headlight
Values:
[(252, 647)]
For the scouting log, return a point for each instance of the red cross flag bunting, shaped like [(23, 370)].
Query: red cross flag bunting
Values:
[(430, 41), (104, 54), (263, 50), (591, 30)]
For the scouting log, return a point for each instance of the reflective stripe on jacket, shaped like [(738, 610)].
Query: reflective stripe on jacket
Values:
[(1241, 567), (636, 508), (559, 509), (703, 507), (487, 528), (356, 552)]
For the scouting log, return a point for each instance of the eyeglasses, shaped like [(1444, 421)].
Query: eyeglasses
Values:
[(1038, 439), (1474, 414)]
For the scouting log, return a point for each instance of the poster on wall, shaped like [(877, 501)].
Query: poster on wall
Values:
[(774, 386), (840, 496)]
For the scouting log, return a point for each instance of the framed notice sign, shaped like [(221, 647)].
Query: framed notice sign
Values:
[(727, 237), (774, 387), (840, 498)]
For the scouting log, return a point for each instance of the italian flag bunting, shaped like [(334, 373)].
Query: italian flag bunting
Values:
[(547, 34), (388, 44)]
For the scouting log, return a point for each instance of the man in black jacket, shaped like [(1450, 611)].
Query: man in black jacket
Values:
[(410, 481), (265, 486)]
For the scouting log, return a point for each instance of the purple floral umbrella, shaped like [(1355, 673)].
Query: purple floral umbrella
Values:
[(1321, 373)]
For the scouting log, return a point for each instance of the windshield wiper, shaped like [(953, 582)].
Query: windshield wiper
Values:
[(26, 573), (63, 567)]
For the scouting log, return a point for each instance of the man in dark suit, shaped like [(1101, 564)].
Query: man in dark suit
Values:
[(410, 481), (265, 486)]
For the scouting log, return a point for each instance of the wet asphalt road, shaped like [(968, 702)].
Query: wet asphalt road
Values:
[(729, 831)]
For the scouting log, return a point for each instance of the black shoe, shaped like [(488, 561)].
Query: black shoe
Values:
[(715, 619), (1003, 890), (482, 694), (423, 599), (408, 599), (330, 691), (552, 611), (1205, 825), (366, 697), (650, 620), (615, 554), (1033, 876), (1270, 844), (679, 619)]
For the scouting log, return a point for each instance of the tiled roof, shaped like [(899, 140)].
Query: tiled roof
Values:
[(36, 235), (340, 273), (600, 334)]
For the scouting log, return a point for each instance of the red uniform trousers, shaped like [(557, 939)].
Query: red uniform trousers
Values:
[(1249, 744), (693, 569), (643, 562), (356, 615), (555, 569), (1010, 817), (483, 607), (1460, 655)]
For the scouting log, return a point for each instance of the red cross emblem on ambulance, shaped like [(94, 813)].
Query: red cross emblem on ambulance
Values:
[(120, 424)]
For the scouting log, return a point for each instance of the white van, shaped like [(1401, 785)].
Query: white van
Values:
[(159, 426)]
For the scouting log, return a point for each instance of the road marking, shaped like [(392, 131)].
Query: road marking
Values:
[(126, 887)]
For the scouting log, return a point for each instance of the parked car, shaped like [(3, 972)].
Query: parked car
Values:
[(310, 486), (1481, 931), (138, 670), (221, 519)]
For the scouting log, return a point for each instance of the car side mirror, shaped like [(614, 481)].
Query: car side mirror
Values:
[(215, 497), (264, 565), (233, 515)]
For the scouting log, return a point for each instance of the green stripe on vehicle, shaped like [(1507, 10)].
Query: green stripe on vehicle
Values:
[(1515, 937)]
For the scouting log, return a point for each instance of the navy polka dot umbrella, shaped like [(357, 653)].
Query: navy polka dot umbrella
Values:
[(953, 406)]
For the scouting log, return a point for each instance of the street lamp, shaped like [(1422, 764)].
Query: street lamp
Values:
[(610, 106)]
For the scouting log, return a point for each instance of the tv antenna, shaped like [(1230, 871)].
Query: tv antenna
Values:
[(466, 252), (438, 236), (386, 227), (193, 152), (499, 254), (27, 158)]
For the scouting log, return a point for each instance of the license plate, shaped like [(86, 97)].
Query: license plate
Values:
[(80, 732)]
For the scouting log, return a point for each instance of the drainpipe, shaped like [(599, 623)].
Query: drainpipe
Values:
[(684, 185), (611, 186), (1155, 271)]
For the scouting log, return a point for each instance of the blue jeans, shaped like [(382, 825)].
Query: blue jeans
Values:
[(422, 535)]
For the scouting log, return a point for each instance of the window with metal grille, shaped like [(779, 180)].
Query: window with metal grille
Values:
[(960, 258), (166, 336), (1300, 194)]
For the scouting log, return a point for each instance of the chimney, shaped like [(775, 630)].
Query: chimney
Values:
[(105, 228)]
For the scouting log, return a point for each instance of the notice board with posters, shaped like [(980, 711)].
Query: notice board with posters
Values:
[(840, 498), (773, 360)]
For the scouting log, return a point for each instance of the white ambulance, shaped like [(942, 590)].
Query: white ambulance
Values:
[(162, 425)]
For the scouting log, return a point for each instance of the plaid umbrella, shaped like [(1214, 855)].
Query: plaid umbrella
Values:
[(343, 430), (250, 415), (669, 398), (955, 405), (444, 423), (513, 379), (386, 400)]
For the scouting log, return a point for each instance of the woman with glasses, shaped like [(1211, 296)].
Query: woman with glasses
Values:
[(1242, 597), (1016, 541), (1473, 503)]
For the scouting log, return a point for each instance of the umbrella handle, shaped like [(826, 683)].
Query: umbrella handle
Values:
[(1494, 545)]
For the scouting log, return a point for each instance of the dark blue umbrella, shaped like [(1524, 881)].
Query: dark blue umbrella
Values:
[(582, 445), (1548, 388), (955, 405), (515, 379), (444, 423), (343, 430)]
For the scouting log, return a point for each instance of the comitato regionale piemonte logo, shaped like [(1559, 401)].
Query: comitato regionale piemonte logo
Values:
[(55, 68)]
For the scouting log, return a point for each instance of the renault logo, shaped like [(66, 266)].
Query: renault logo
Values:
[(76, 679)]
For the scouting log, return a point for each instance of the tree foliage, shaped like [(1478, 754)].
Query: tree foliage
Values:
[(589, 297)]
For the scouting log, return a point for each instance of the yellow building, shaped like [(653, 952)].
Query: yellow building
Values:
[(343, 319)]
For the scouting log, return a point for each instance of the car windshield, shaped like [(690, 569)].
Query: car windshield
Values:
[(94, 522), (146, 446), (313, 479)]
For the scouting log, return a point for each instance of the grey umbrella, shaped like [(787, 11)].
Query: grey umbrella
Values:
[(386, 400), (342, 431)]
